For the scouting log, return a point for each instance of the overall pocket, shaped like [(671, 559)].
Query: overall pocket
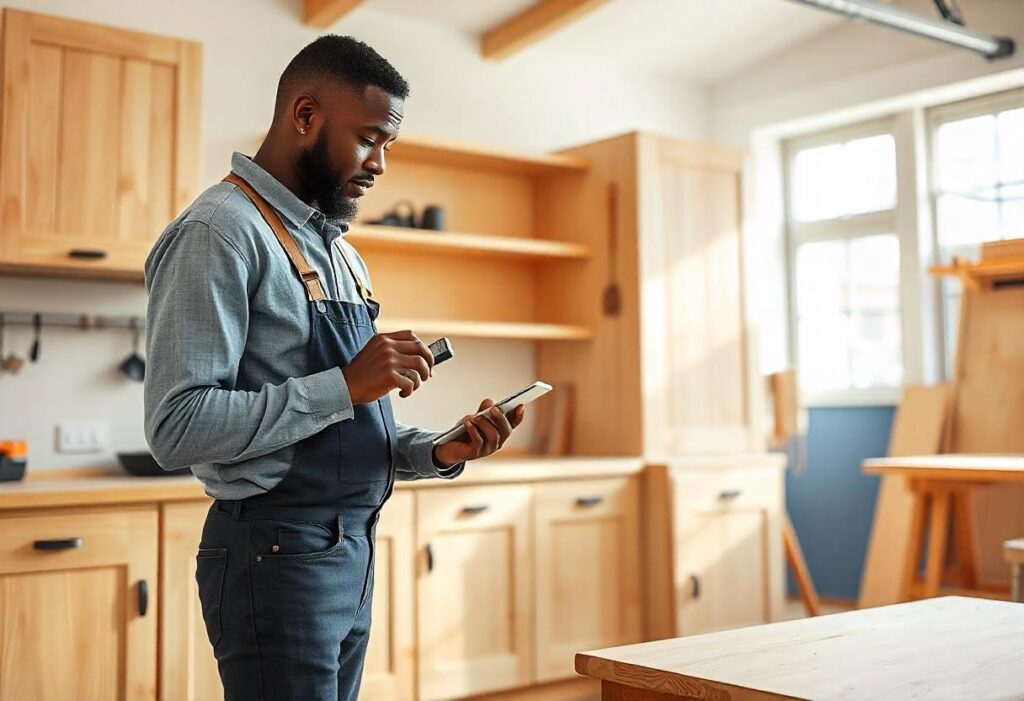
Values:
[(292, 541), (211, 564)]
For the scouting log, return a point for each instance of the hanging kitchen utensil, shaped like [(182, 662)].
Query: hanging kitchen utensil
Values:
[(11, 363), (37, 326), (134, 366), (611, 298)]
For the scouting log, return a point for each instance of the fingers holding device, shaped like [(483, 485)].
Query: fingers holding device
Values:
[(504, 408)]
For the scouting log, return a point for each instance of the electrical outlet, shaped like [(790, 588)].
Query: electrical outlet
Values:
[(83, 437)]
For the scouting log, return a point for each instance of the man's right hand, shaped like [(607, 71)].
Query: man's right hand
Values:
[(387, 361)]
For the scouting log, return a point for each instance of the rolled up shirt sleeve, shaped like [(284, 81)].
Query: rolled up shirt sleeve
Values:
[(415, 459), (198, 316)]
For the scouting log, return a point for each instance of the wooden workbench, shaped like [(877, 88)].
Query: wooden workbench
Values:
[(940, 486), (949, 648)]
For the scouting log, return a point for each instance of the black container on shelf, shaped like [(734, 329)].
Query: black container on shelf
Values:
[(144, 465), (11, 469)]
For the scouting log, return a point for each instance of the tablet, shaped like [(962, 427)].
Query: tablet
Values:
[(523, 396)]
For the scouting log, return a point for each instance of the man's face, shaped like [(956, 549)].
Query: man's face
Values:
[(349, 149)]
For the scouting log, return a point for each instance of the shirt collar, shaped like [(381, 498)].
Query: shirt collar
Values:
[(278, 196)]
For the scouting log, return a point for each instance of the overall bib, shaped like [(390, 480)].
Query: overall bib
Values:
[(286, 577)]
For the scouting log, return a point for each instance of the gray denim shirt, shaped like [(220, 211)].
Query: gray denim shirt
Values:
[(228, 391)]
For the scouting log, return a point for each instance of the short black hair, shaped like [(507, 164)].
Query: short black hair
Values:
[(344, 59)]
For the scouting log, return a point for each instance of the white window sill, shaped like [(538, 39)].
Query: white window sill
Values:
[(881, 396)]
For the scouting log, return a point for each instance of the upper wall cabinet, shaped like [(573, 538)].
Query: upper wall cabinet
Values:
[(100, 144)]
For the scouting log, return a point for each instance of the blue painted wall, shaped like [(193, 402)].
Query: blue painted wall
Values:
[(832, 502)]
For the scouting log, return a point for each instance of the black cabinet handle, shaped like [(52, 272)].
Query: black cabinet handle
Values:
[(479, 509), (694, 586), (589, 501), (58, 544), (87, 254), (729, 494), (143, 597), (430, 558)]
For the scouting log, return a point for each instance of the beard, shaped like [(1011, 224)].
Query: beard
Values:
[(322, 183)]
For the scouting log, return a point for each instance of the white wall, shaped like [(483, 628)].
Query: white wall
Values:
[(853, 64), (539, 101)]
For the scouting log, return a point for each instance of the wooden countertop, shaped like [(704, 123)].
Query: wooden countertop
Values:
[(94, 489), (949, 648), (952, 466)]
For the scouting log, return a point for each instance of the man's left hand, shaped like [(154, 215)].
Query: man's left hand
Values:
[(484, 435)]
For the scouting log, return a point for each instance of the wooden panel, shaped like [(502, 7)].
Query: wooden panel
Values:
[(89, 144), (101, 39), (473, 590), (481, 201), (587, 570), (42, 175), (187, 118), (917, 430), (78, 607), (162, 171), (388, 673), (324, 13), (893, 652), (188, 669), (533, 24), (401, 239), (463, 154)]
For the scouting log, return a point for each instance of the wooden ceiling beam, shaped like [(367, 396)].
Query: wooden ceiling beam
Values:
[(533, 24), (324, 13)]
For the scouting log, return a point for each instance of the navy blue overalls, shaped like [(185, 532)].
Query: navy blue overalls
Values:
[(286, 577)]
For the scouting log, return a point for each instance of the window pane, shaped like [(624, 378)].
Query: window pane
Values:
[(875, 351), (824, 343), (1012, 222), (821, 277), (966, 154), (816, 184), (875, 273), (870, 169), (963, 221), (1010, 127)]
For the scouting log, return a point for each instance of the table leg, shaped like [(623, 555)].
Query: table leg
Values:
[(915, 540), (938, 535), (963, 538)]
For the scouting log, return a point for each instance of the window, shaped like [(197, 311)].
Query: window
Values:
[(977, 185), (845, 263)]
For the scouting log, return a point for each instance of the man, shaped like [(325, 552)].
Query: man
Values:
[(267, 377)]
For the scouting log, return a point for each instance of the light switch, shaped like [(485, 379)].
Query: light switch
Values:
[(83, 437)]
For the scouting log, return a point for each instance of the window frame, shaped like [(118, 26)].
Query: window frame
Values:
[(935, 117), (844, 228)]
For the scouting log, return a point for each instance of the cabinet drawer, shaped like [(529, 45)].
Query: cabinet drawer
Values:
[(727, 488), (58, 540), (471, 508), (594, 498)]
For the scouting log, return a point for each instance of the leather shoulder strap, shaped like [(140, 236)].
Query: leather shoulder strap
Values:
[(310, 278)]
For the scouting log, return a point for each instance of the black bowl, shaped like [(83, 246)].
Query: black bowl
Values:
[(144, 465)]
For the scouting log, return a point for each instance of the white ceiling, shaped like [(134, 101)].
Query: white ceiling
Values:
[(700, 40)]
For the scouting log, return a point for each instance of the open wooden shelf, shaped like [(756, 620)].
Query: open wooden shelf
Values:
[(488, 329), (985, 273), (395, 238), (459, 154)]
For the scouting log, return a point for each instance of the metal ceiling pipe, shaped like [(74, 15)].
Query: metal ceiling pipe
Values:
[(989, 46)]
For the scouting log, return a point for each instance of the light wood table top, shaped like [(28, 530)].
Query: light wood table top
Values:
[(948, 648), (952, 466)]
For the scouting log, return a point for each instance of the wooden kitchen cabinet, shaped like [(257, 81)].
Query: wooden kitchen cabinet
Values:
[(188, 669), (99, 144), (587, 570), (713, 545), (389, 671), (78, 613), (474, 562)]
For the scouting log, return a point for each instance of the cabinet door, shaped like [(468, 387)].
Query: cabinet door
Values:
[(72, 621), (99, 143), (473, 590), (188, 669), (701, 384), (587, 570), (388, 671), (728, 544)]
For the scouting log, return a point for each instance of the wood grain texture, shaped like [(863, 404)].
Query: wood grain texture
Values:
[(419, 241), (474, 597), (188, 669), (78, 606), (917, 430), (587, 570), (928, 648), (324, 13), (533, 24), (389, 670)]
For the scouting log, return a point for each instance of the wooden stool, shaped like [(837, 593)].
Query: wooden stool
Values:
[(1013, 551)]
